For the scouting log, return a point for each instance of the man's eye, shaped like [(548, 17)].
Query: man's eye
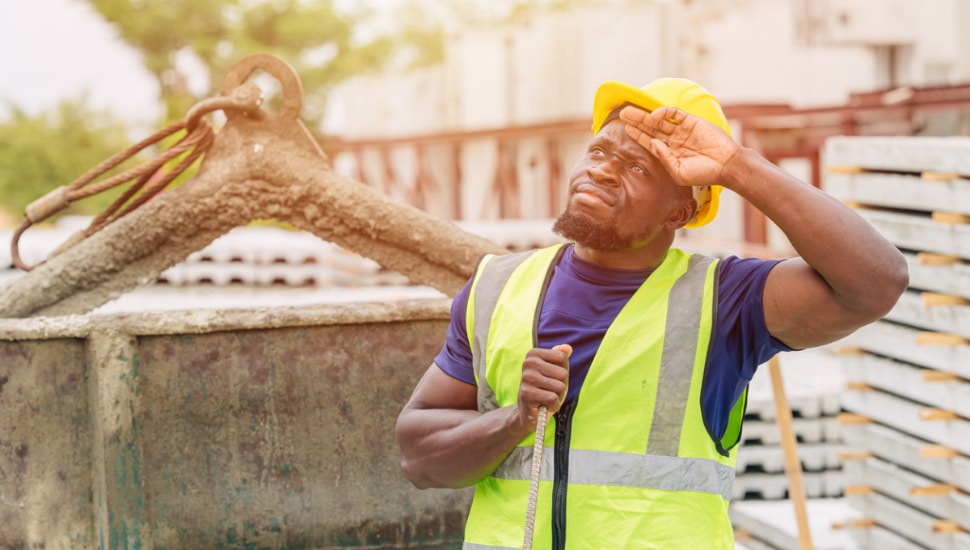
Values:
[(595, 151), (638, 169)]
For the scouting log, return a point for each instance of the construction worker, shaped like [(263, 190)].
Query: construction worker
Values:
[(643, 352)]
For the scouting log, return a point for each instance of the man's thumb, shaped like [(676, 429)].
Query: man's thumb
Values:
[(565, 348)]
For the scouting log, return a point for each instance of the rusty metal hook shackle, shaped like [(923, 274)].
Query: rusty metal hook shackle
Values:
[(292, 102)]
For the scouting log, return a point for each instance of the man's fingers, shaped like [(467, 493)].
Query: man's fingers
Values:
[(633, 115), (636, 115), (565, 348), (645, 140)]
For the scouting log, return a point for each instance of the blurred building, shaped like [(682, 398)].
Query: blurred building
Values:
[(494, 130)]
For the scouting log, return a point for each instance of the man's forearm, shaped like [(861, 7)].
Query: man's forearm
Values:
[(454, 448)]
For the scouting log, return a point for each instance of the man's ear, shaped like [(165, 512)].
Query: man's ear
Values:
[(682, 214)]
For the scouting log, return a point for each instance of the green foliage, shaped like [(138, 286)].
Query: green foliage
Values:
[(325, 45), (309, 34), (40, 153)]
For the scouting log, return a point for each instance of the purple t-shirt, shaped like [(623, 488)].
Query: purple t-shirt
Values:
[(583, 299)]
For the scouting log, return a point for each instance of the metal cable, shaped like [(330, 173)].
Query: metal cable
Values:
[(530, 512), (149, 177)]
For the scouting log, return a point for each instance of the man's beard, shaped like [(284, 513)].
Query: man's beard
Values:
[(585, 232)]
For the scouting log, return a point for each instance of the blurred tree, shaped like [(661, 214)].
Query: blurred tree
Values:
[(188, 45), (39, 153)]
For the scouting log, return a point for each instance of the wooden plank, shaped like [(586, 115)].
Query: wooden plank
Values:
[(926, 338), (928, 258), (851, 419), (844, 169), (950, 217), (946, 526), (935, 376), (934, 490), (936, 299), (858, 490), (937, 415), (863, 523), (938, 451), (935, 177), (846, 456)]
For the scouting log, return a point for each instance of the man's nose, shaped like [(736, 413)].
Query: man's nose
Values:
[(603, 173)]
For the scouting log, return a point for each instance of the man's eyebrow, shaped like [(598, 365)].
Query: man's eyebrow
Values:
[(597, 140)]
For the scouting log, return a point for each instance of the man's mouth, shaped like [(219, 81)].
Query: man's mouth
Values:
[(595, 192)]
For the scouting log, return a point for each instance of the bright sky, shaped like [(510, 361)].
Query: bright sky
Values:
[(57, 49)]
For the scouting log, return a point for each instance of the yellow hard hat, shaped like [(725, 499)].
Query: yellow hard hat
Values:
[(684, 94)]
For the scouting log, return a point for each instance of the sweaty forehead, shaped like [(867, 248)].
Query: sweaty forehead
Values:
[(614, 133)]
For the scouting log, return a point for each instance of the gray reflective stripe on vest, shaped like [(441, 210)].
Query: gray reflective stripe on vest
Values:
[(489, 285), (470, 546), (665, 473), (677, 359)]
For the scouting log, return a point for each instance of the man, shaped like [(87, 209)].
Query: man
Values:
[(642, 351)]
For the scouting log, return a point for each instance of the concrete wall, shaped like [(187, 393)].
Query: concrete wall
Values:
[(234, 429)]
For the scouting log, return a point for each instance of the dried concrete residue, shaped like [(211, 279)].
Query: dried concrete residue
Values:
[(256, 169), (209, 320)]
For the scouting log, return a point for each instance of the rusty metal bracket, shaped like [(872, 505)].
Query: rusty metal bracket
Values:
[(292, 102), (259, 166)]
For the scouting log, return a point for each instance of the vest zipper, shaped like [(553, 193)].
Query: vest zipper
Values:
[(561, 475)]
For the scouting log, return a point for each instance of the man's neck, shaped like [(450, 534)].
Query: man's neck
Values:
[(646, 257)]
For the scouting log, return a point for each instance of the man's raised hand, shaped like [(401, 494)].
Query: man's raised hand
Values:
[(692, 150)]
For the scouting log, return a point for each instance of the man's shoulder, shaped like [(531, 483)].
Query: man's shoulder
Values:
[(735, 265)]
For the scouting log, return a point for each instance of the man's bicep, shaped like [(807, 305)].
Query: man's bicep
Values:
[(801, 309), (439, 390)]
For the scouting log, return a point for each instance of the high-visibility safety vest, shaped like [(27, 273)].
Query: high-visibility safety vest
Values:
[(630, 462)]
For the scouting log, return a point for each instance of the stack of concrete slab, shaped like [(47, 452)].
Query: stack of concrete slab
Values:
[(771, 525), (261, 256), (813, 386), (908, 404), (761, 512)]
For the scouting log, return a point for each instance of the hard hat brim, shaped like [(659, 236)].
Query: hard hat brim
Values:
[(610, 95)]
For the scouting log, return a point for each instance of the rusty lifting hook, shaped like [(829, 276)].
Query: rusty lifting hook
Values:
[(236, 97)]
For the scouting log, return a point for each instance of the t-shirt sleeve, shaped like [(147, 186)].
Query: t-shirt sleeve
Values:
[(455, 357), (742, 335)]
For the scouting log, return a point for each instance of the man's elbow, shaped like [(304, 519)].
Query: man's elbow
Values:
[(891, 283), (415, 475), (897, 281), (423, 477)]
